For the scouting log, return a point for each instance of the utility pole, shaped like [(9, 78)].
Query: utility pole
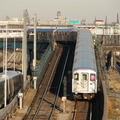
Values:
[(106, 29), (35, 22), (14, 54), (95, 21), (5, 84), (117, 18), (24, 47), (35, 51)]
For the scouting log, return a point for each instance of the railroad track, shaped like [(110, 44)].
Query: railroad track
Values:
[(91, 110), (81, 110), (45, 102)]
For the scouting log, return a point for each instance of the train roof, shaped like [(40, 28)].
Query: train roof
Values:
[(10, 74), (84, 57)]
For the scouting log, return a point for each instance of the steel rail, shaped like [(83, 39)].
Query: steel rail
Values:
[(56, 98), (82, 111), (90, 111), (74, 114), (47, 87)]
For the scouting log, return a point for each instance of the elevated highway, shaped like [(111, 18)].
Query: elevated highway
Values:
[(16, 31)]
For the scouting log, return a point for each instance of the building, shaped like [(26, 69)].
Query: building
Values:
[(99, 22), (13, 21)]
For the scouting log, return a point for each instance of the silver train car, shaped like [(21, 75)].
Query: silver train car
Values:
[(14, 84), (84, 72)]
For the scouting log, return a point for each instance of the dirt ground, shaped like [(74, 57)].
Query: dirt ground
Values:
[(114, 103), (68, 113)]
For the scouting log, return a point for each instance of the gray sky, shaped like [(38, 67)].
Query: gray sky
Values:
[(71, 9)]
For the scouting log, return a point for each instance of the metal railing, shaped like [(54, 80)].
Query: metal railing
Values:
[(118, 67), (44, 59), (114, 94), (110, 93)]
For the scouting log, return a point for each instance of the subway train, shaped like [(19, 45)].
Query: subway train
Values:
[(14, 84), (84, 71)]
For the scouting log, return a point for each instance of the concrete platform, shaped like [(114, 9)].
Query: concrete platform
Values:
[(28, 98)]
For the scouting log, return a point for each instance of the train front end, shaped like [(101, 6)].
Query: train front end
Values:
[(84, 83)]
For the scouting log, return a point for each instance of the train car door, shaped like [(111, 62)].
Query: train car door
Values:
[(84, 82)]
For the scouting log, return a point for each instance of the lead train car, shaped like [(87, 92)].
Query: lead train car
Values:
[(14, 84), (84, 72)]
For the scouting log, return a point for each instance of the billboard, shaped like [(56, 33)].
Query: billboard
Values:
[(74, 21)]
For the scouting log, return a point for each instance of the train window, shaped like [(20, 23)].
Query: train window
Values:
[(92, 77), (76, 76), (84, 76)]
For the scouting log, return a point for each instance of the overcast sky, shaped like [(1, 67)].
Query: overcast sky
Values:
[(71, 9)]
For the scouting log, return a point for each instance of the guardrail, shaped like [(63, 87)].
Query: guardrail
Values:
[(12, 35), (7, 112)]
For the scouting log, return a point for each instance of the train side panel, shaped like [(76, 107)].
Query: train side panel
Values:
[(1, 93), (14, 84)]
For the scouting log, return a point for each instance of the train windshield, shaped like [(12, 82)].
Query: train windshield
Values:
[(76, 76), (92, 77), (84, 76)]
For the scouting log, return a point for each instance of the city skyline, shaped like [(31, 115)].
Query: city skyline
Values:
[(70, 9)]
